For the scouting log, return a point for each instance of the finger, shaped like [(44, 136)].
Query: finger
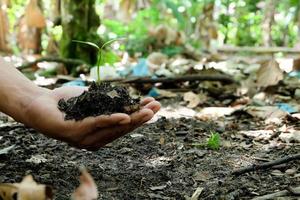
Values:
[(110, 120), (147, 100), (90, 124), (154, 106), (106, 135), (141, 116), (101, 137)]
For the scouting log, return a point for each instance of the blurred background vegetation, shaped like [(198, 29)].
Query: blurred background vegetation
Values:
[(168, 25)]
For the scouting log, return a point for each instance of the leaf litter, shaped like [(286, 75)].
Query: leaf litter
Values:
[(160, 161)]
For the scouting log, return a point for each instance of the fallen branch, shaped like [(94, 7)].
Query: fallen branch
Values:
[(199, 77), (266, 165), (279, 194), (67, 61), (258, 50)]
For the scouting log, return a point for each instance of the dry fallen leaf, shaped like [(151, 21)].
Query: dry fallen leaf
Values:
[(271, 114), (28, 189), (161, 187), (162, 140), (87, 189), (291, 171), (291, 136), (258, 135), (8, 191), (211, 113), (197, 193), (277, 172), (37, 159), (192, 98), (269, 74)]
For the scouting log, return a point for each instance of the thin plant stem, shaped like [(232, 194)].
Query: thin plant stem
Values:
[(98, 66), (100, 50), (100, 56)]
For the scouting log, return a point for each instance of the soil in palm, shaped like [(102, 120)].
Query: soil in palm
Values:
[(99, 99)]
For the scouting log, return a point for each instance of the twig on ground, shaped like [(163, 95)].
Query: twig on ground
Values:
[(197, 193), (67, 61), (279, 194), (266, 165), (258, 50), (198, 77)]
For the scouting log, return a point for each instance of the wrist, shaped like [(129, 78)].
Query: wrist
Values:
[(18, 98), (16, 91)]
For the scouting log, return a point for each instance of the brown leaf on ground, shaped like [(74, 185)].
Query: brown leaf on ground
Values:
[(28, 189), (87, 189), (269, 74), (8, 191), (192, 98), (290, 136), (271, 114), (212, 113)]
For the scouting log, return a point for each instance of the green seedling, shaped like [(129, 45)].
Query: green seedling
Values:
[(100, 50), (213, 141)]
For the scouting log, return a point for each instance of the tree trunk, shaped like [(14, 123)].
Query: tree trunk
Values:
[(4, 29), (206, 30), (268, 22), (55, 16), (79, 22)]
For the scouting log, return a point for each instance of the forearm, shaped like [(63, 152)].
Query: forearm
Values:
[(16, 91)]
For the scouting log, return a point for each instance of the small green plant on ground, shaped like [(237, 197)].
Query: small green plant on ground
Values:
[(100, 52), (213, 141)]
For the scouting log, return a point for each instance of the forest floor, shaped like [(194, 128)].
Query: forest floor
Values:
[(157, 161), (169, 157)]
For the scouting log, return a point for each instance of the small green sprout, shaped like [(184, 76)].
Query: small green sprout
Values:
[(213, 141), (100, 50)]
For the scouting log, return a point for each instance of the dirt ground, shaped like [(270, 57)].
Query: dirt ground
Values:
[(157, 161)]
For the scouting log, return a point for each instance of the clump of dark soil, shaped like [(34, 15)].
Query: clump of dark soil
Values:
[(100, 99)]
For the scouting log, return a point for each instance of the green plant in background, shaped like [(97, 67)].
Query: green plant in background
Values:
[(214, 141), (239, 23), (100, 53)]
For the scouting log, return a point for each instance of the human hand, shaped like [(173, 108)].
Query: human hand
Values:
[(90, 133)]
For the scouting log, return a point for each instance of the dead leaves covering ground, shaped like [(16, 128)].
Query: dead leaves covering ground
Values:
[(28, 189)]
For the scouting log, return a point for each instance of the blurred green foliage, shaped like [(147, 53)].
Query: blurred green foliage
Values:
[(239, 22)]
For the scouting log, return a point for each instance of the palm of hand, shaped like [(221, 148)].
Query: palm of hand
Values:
[(90, 133)]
